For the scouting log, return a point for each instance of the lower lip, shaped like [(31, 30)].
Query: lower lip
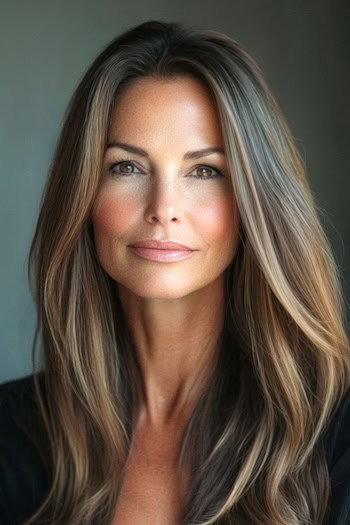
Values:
[(152, 254)]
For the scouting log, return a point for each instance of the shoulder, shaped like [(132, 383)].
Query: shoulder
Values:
[(19, 410), (337, 448), (24, 450), (338, 439), (17, 392)]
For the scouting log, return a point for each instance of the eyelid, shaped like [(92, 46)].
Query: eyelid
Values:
[(115, 162), (219, 172), (214, 168)]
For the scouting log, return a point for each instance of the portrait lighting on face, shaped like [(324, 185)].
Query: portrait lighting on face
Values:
[(165, 221)]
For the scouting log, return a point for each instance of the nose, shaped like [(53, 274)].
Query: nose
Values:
[(163, 202)]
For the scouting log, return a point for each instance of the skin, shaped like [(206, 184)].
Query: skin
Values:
[(175, 310)]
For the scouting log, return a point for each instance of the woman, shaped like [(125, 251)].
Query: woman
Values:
[(196, 362)]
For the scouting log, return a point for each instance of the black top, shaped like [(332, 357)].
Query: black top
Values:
[(24, 479)]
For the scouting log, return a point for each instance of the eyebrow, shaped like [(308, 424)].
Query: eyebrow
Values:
[(143, 153)]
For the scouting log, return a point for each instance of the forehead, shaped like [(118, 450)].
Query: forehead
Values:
[(181, 106)]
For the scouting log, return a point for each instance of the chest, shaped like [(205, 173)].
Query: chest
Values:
[(151, 491)]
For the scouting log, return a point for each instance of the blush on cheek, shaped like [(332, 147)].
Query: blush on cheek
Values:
[(110, 214), (218, 219)]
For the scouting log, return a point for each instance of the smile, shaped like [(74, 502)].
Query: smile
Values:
[(160, 255)]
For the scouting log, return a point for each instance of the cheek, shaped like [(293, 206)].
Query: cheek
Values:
[(111, 214), (217, 220)]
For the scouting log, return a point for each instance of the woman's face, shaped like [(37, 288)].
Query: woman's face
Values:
[(156, 188)]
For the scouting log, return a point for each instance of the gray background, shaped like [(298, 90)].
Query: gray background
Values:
[(45, 46)]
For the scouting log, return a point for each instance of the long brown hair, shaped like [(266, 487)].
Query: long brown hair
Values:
[(254, 440)]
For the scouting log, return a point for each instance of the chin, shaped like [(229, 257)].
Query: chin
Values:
[(167, 288), (158, 292), (157, 288)]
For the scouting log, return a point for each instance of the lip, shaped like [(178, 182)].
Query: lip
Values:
[(161, 251), (160, 245)]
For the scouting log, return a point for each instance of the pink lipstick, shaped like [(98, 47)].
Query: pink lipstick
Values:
[(161, 251)]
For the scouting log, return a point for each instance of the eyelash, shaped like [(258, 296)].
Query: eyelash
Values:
[(110, 168)]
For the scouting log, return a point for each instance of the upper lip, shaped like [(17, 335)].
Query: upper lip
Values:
[(160, 245)]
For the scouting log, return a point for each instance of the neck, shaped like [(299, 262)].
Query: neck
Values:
[(177, 343)]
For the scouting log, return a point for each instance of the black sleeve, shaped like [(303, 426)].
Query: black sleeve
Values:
[(338, 459), (24, 475)]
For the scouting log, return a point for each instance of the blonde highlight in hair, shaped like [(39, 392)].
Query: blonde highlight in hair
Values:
[(254, 442)]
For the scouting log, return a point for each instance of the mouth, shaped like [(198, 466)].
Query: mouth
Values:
[(161, 251), (160, 245)]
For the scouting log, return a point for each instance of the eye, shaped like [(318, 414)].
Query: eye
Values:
[(207, 172), (123, 167)]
